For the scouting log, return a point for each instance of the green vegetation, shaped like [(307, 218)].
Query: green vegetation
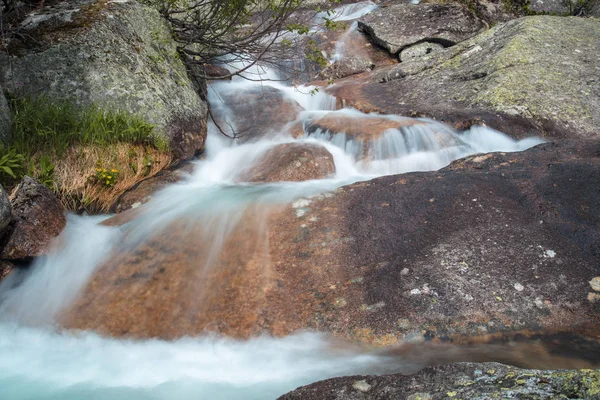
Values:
[(247, 31), (46, 132), (107, 176), (41, 125), (11, 164)]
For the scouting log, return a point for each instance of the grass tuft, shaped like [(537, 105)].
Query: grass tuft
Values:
[(41, 124), (64, 145)]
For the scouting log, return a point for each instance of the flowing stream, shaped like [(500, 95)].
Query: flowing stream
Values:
[(38, 360)]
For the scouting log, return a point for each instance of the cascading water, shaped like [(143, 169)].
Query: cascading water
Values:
[(38, 361)]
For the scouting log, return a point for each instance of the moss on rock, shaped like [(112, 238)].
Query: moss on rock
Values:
[(461, 381), (540, 68), (117, 56)]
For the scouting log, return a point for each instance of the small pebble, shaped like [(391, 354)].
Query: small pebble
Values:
[(362, 386), (519, 287)]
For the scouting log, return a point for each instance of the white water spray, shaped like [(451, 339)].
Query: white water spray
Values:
[(44, 364)]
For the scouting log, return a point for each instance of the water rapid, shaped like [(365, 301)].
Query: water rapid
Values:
[(40, 360)]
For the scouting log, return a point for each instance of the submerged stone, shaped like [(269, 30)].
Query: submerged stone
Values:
[(291, 162)]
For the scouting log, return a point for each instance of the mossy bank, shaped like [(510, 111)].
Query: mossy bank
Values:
[(114, 67)]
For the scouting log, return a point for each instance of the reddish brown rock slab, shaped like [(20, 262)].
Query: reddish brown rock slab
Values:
[(259, 110), (292, 162), (168, 286), (142, 192), (358, 54), (216, 72), (38, 218), (357, 126), (492, 243)]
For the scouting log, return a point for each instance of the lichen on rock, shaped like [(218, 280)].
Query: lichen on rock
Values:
[(541, 69), (116, 56)]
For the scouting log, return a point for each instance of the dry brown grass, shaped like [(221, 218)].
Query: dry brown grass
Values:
[(75, 171)]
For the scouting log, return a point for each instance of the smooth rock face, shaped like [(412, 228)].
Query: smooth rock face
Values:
[(460, 381), (514, 71), (358, 127), (37, 219), (292, 162), (255, 112), (115, 55), (5, 117), (492, 243), (419, 50), (5, 211), (401, 25)]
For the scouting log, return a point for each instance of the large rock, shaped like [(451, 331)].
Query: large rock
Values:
[(291, 162), (513, 77), (350, 52), (356, 126), (401, 25), (114, 55), (369, 137), (5, 211), (492, 243), (460, 381), (5, 117), (254, 111), (37, 219)]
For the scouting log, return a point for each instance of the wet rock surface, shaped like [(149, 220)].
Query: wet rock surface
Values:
[(143, 191), (37, 219), (460, 381), (511, 77), (292, 162), (255, 112), (355, 126), (492, 243), (401, 25), (114, 55), (352, 53)]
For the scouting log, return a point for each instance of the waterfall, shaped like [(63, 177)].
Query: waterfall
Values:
[(39, 360)]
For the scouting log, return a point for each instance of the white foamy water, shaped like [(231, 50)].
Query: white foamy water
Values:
[(347, 12), (39, 362), (43, 364), (55, 280)]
